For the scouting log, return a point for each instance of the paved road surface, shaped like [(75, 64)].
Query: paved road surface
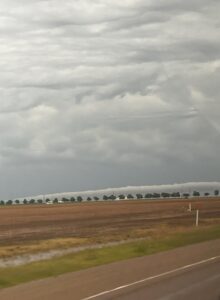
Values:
[(197, 282), (176, 274)]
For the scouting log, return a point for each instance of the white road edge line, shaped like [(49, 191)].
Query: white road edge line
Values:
[(151, 278)]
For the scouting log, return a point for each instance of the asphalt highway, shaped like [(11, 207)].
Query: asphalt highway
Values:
[(191, 272), (200, 282)]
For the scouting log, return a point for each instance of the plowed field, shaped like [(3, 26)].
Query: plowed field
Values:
[(20, 223)]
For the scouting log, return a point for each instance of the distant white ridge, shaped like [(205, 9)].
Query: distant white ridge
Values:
[(182, 188)]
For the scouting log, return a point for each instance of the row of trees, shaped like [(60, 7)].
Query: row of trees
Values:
[(108, 197)]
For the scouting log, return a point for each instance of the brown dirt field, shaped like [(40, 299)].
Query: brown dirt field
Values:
[(23, 224)]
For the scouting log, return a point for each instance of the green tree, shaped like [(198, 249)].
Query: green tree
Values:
[(121, 196), (175, 195), (148, 196), (186, 195), (196, 194), (96, 198), (79, 199), (112, 197), (65, 199), (216, 192), (165, 195), (139, 196), (156, 195), (130, 196), (72, 199)]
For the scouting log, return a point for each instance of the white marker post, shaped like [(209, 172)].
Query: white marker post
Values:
[(190, 207), (197, 218)]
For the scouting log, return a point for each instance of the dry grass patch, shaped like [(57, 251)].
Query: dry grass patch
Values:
[(41, 246)]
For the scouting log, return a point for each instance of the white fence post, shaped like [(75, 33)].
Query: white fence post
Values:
[(190, 207), (197, 218)]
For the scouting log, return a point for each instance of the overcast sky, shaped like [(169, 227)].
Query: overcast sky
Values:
[(108, 93)]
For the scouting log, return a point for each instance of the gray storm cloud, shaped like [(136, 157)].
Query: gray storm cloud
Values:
[(103, 93)]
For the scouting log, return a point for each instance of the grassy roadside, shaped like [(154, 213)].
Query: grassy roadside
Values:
[(41, 246), (90, 258)]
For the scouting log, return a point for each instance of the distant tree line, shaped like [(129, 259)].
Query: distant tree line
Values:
[(107, 197)]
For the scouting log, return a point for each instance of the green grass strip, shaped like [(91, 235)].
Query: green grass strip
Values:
[(95, 257)]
